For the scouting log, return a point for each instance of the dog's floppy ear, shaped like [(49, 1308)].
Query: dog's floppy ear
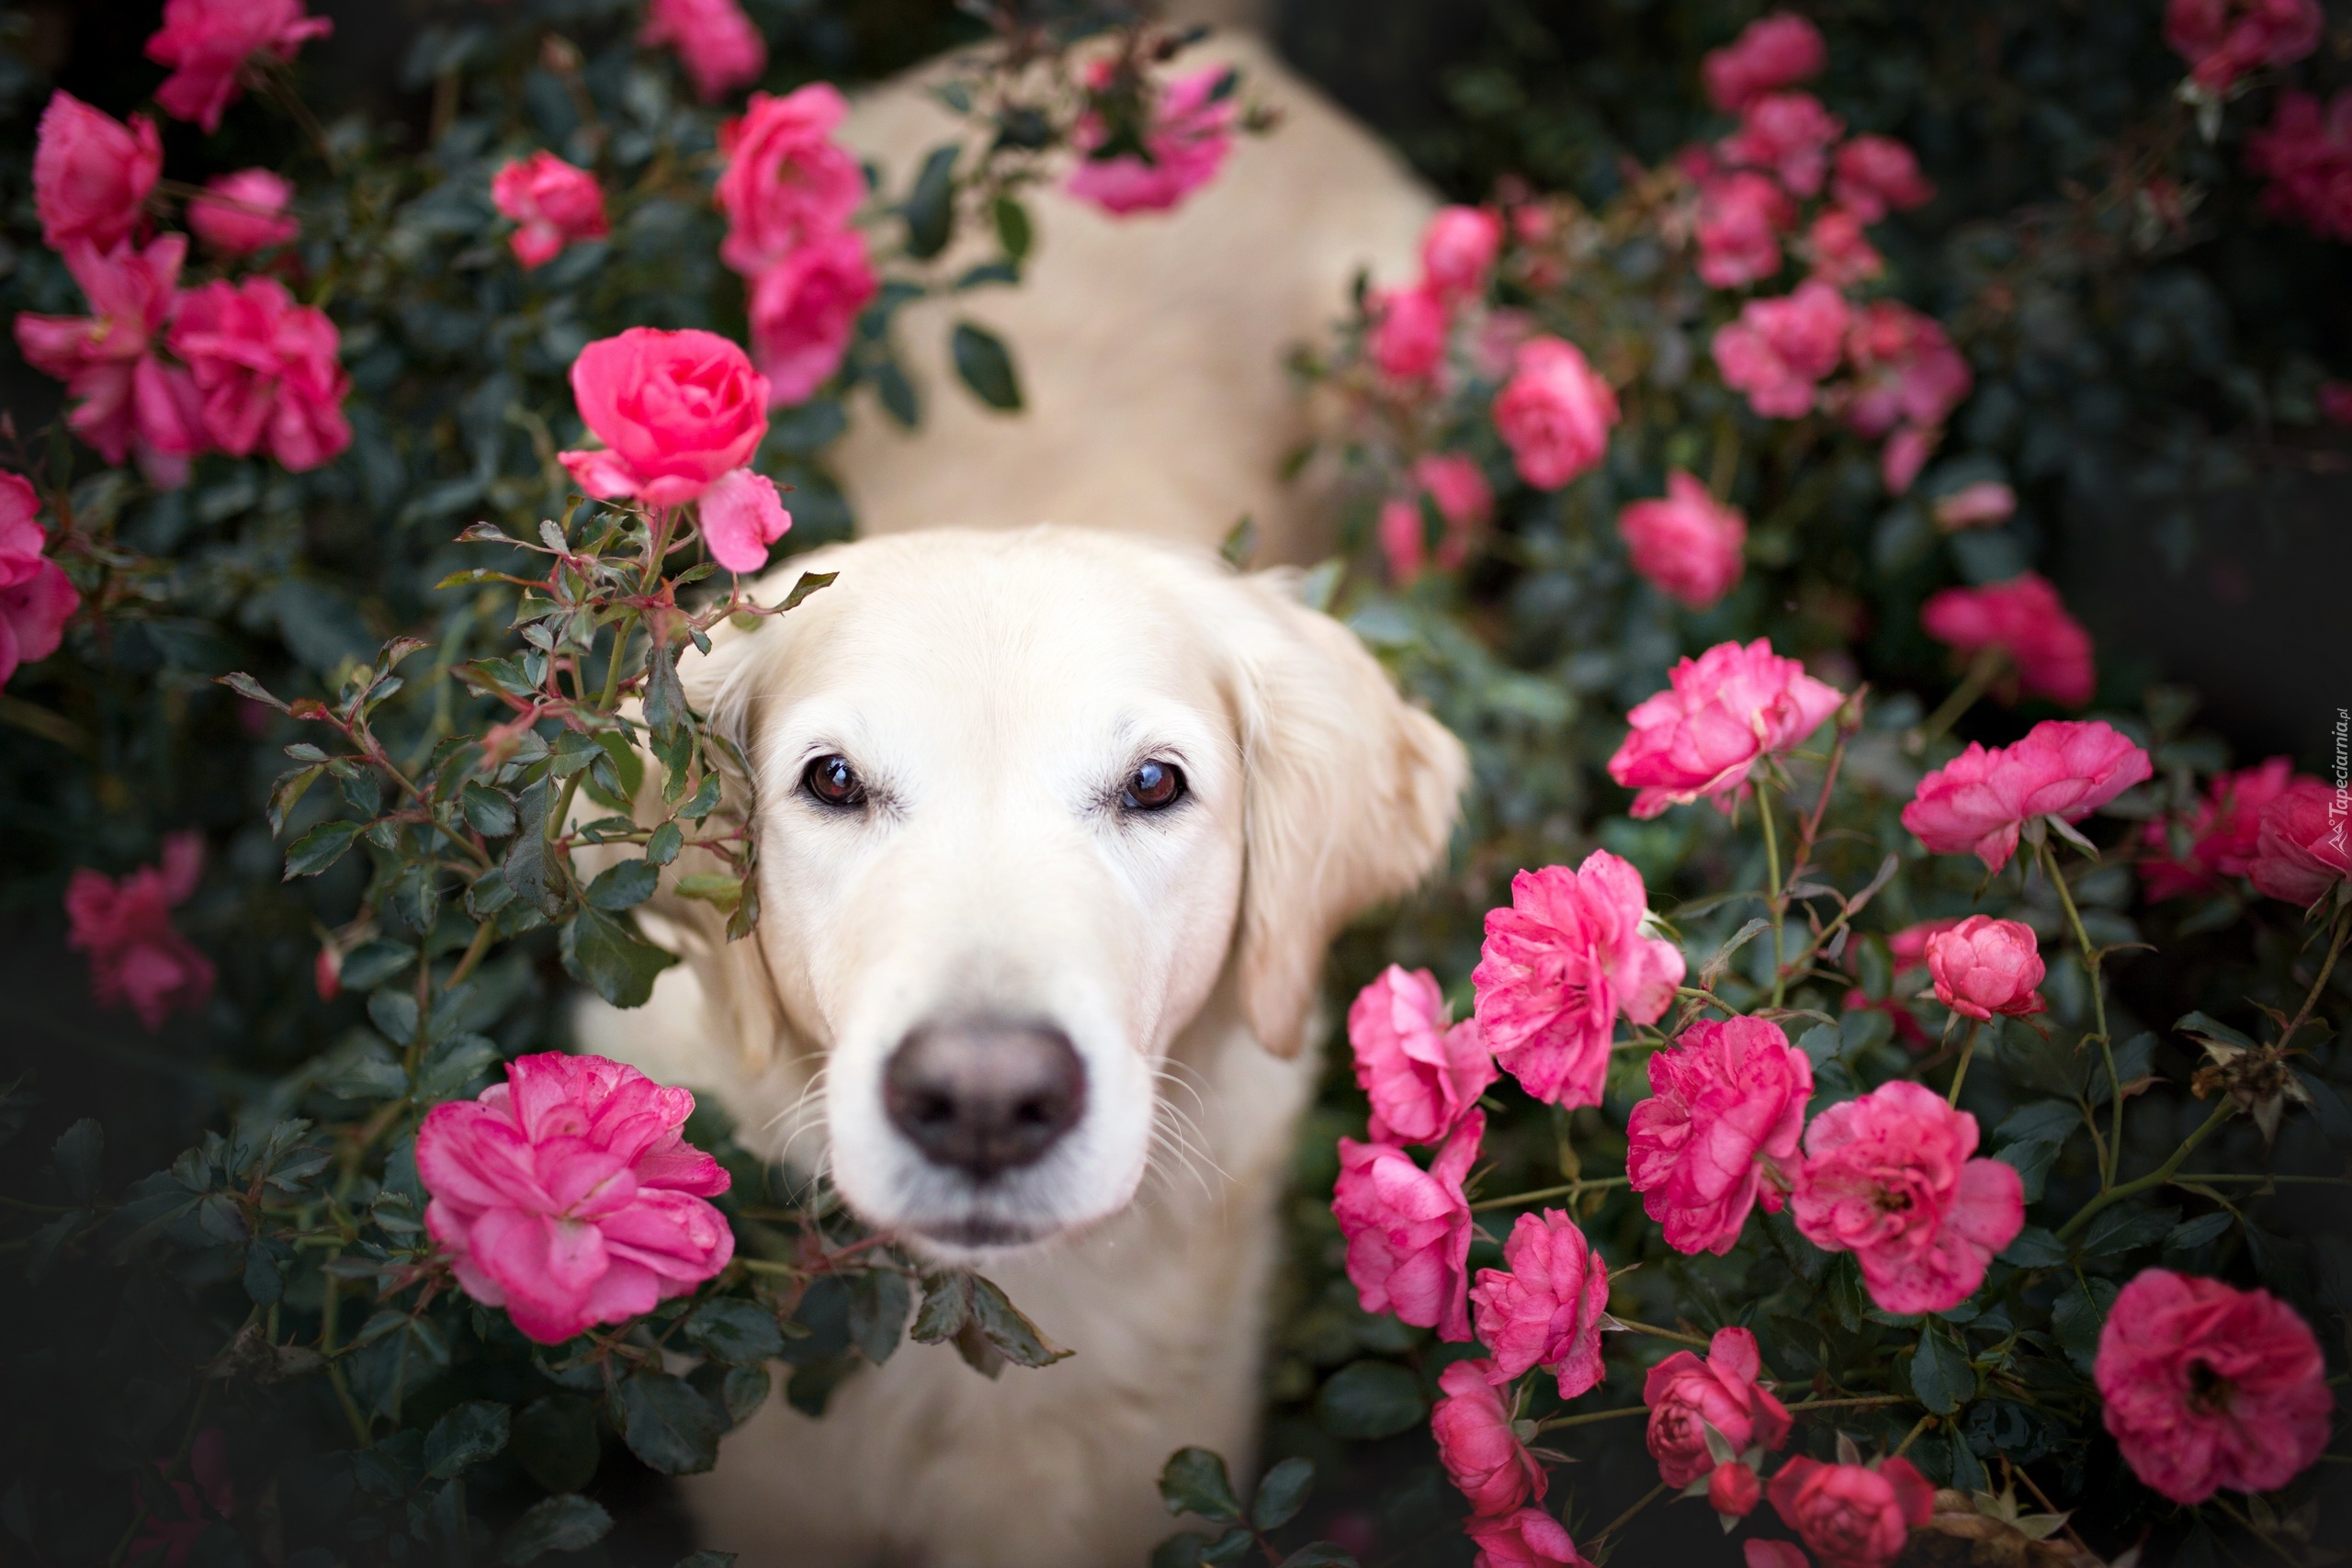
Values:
[(1350, 795)]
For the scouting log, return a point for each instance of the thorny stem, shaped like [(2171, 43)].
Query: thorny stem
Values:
[(2049, 858), (2335, 951), (2156, 1177), (1571, 1191), (1968, 1049), (1777, 904), (1921, 1425), (1651, 1328), (1856, 1402), (1587, 1417), (1621, 1520), (475, 950)]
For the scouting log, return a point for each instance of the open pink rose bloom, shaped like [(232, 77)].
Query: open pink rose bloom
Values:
[(1685, 1396), (1545, 1309), (1407, 1229), (1720, 714), (1720, 1128)]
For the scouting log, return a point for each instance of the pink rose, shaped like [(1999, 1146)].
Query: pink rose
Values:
[(1547, 1310), (2048, 651), (208, 42), (1475, 1441), (1559, 966), (1774, 1554), (1840, 255), (1787, 134), (1401, 538), (1979, 505), (2207, 1387), (22, 538), (1853, 1516), (2301, 849), (130, 400), (2306, 153), (786, 180), (1460, 489), (1458, 250), (803, 311), (2224, 832), (2224, 39), (1465, 504), (1906, 452), (1685, 1396), (554, 203), (33, 611), (674, 411), (1690, 545), (1726, 1107), (126, 927), (1888, 1178), (741, 515), (1878, 174), (1770, 53), (1738, 224), (1977, 803), (1555, 413), (1780, 349), (1408, 325), (1529, 1539), (1421, 1076), (1190, 131), (241, 213), (1407, 1229), (92, 174), (1733, 1490), (1907, 379), (1983, 966), (270, 370), (1720, 714), (716, 42), (567, 1195)]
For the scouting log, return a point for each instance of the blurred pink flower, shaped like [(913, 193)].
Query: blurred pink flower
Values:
[(1778, 351), (568, 1196), (1905, 371), (210, 1487), (1840, 254), (33, 613), (1458, 250), (2224, 39), (1906, 452), (553, 202), (2301, 849), (1688, 546), (1877, 174), (804, 310), (131, 401), (1786, 134), (1482, 1455), (1407, 1229), (716, 42), (674, 410), (1421, 1076), (1528, 1539), (1983, 966), (2306, 153), (1774, 1554), (2224, 832), (1770, 53), (1979, 505), (1888, 1178), (243, 212), (1545, 1307), (126, 927), (270, 371), (1852, 1516), (1685, 1396), (208, 42), (1555, 413), (786, 182), (2048, 651), (741, 515), (92, 174), (1409, 327), (1726, 1107), (1720, 714), (2206, 1386), (1979, 802), (1191, 132), (22, 538), (1559, 966), (2335, 402), (1465, 504), (1738, 224)]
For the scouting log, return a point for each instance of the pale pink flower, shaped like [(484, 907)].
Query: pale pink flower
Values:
[(552, 202), (136, 956), (1528, 1539), (1192, 120), (1409, 327), (2224, 39), (1555, 413), (2306, 153), (1979, 802), (804, 310), (243, 212), (2048, 651), (1725, 1110), (1853, 1516), (785, 181), (1738, 224), (92, 174), (2224, 831), (1888, 1178), (568, 1196), (741, 515), (1770, 53), (1840, 254), (1689, 546), (1983, 966), (1686, 1395), (1979, 505), (674, 410), (1877, 174), (2304, 845), (1787, 134), (716, 42), (1407, 1229), (208, 42), (1544, 1308), (1720, 714), (270, 371), (130, 400), (33, 613), (1481, 1454), (1778, 351), (1569, 955), (1420, 1075), (1458, 250), (1733, 1490), (2207, 1387)]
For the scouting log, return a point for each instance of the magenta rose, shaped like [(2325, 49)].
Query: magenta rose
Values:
[(1720, 714), (1191, 132), (1528, 1539), (674, 411), (1685, 1396), (552, 204), (1544, 1308), (33, 613), (2048, 651), (803, 310), (1787, 134), (1733, 1490), (1778, 350), (1774, 1554), (1476, 1443), (2304, 845), (1560, 965), (2224, 39), (22, 538), (1555, 413), (716, 42), (1407, 1229), (1738, 224), (270, 371), (1726, 1107), (243, 212), (1458, 250), (1465, 504), (92, 174), (1888, 1178), (1980, 801), (1408, 337), (1983, 966), (1689, 546), (2306, 154), (741, 515), (786, 180), (1853, 1516), (1841, 256), (1907, 379), (208, 42), (568, 1196), (2208, 1387), (1877, 174), (1770, 53), (2224, 832), (130, 399), (1422, 1076), (136, 955)]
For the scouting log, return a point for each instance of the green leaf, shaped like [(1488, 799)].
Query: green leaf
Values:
[(288, 790), (2197, 1026), (879, 1300), (1320, 1554), (604, 954), (2044, 1120), (900, 399), (2032, 1162), (668, 1424), (2196, 1233), (1370, 1399), (555, 1441), (665, 696), (986, 367), (490, 812), (946, 1308), (623, 886), (75, 1156), (2125, 1228), (1181, 1550), (663, 847), (532, 868), (1011, 1333), (451, 1065), (565, 1523), (736, 1393), (371, 964), (2076, 1319), (1014, 231), (807, 583), (1821, 1042), (1282, 1493), (321, 848), (393, 1013), (728, 1328), (1940, 1374), (2035, 1247), (715, 888), (1229, 1547), (471, 1433), (929, 208), (1195, 1480)]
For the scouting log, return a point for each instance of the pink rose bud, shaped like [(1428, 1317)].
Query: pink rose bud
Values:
[(1877, 174), (326, 973), (1770, 53), (803, 311), (1476, 1443), (1787, 135), (241, 213), (741, 516), (2304, 845), (1192, 119), (1979, 505), (92, 174), (2206, 1386), (1732, 1489), (1558, 967), (1778, 350), (1980, 801), (675, 410), (1555, 413), (1983, 966), (1690, 546), (208, 42), (1686, 1395), (1725, 1106), (1545, 1309), (553, 202), (1720, 714), (136, 955), (1738, 224), (1407, 1230), (132, 402), (1841, 256), (1422, 1076), (2303, 152), (785, 181), (1408, 328), (2224, 39), (1528, 1539), (716, 42), (270, 371), (2048, 651), (1458, 250), (1853, 1516)]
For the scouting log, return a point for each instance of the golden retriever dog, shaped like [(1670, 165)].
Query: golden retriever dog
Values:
[(1056, 824)]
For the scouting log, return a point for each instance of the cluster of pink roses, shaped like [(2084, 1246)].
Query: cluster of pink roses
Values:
[(159, 373), (2306, 150), (2048, 651), (125, 927), (36, 597), (2306, 154), (2286, 833)]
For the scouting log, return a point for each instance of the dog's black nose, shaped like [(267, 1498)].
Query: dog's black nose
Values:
[(983, 1095)]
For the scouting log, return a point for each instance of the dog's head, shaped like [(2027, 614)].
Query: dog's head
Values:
[(1022, 801)]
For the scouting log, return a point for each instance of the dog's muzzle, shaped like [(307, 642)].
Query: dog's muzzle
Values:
[(984, 1096)]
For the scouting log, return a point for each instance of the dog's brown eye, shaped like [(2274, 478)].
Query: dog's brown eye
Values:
[(832, 782), (1155, 786)]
